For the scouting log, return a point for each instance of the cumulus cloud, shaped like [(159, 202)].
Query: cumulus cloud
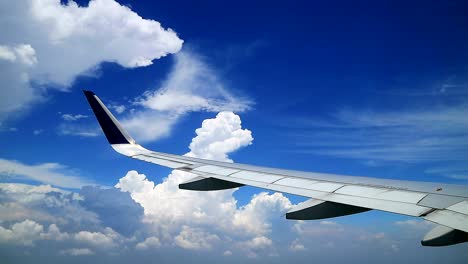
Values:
[(31, 214), (192, 85), (45, 43), (253, 217), (148, 243), (258, 242), (50, 173), (296, 246), (219, 136), (22, 233), (195, 238), (198, 220), (43, 203), (96, 239)]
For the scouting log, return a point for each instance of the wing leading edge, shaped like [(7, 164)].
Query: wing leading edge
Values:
[(333, 195)]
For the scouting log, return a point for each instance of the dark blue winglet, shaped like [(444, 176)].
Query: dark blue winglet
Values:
[(115, 134)]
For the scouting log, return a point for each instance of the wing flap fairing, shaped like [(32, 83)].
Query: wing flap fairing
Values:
[(316, 209), (444, 236), (200, 183)]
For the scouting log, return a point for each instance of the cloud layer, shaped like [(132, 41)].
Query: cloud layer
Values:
[(49, 173)]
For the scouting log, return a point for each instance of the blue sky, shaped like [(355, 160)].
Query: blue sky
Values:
[(362, 88)]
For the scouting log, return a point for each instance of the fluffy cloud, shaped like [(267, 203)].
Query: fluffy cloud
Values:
[(198, 220), (48, 44), (95, 239), (50, 173), (45, 204), (148, 243), (31, 214), (296, 246), (192, 85), (195, 238), (253, 217), (22, 233), (219, 136)]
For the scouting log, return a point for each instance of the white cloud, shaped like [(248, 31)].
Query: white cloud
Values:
[(49, 44), (24, 233), (257, 245), (77, 252), (415, 224), (38, 131), (7, 53), (96, 239), (219, 136), (50, 173), (42, 203), (191, 86), (408, 135), (81, 130), (328, 223), (259, 242), (149, 243), (28, 231), (195, 238), (117, 108), (22, 53), (54, 233), (196, 220), (253, 217), (70, 117), (296, 246)]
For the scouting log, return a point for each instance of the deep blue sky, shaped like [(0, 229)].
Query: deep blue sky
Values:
[(297, 59), (322, 76)]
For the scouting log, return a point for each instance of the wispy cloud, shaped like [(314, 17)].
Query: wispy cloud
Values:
[(49, 173), (457, 172), (38, 131), (192, 86), (71, 117), (81, 130), (437, 134)]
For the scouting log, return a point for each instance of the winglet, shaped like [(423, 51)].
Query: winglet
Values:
[(114, 132)]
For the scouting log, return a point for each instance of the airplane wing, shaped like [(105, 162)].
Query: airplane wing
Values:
[(331, 195)]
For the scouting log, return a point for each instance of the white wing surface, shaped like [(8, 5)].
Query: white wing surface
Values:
[(332, 195)]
